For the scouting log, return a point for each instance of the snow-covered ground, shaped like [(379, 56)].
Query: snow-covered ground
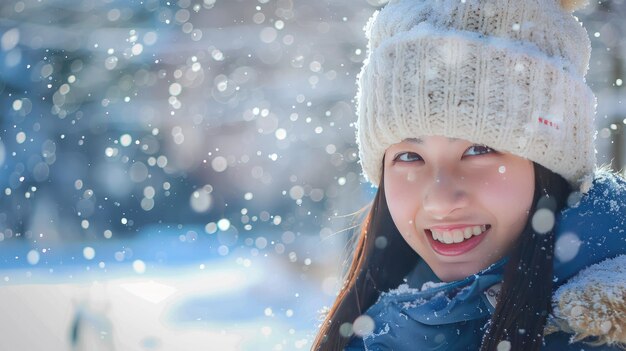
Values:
[(174, 293)]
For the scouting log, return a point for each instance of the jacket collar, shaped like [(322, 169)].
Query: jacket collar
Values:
[(435, 303)]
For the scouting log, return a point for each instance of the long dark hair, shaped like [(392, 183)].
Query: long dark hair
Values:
[(525, 297), (524, 300), (370, 272)]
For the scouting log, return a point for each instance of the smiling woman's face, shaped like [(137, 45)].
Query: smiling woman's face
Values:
[(459, 205)]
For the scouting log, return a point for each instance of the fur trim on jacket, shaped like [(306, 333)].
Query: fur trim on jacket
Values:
[(592, 305)]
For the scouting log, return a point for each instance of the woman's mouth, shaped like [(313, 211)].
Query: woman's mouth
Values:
[(457, 241)]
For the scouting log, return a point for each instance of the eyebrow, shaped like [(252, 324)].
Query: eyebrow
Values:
[(420, 141)]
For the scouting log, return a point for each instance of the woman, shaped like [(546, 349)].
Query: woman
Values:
[(491, 228)]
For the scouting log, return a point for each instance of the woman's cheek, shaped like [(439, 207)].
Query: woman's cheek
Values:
[(508, 186), (402, 199)]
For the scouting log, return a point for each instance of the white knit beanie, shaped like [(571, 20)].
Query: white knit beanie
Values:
[(508, 74)]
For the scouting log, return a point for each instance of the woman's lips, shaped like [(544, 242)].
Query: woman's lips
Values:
[(456, 248)]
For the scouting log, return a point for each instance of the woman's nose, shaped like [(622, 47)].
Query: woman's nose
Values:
[(444, 194)]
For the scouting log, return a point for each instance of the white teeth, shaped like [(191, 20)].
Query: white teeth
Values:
[(457, 235), (468, 233)]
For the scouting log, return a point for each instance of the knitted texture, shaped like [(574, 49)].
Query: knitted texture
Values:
[(504, 73)]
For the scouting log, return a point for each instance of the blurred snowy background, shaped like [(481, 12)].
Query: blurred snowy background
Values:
[(181, 175)]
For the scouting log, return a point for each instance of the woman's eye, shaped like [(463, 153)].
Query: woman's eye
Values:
[(478, 150), (407, 157)]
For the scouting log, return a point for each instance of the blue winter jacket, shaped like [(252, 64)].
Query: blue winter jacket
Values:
[(425, 314)]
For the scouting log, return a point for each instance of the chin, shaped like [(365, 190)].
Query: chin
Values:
[(453, 273), (448, 276)]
